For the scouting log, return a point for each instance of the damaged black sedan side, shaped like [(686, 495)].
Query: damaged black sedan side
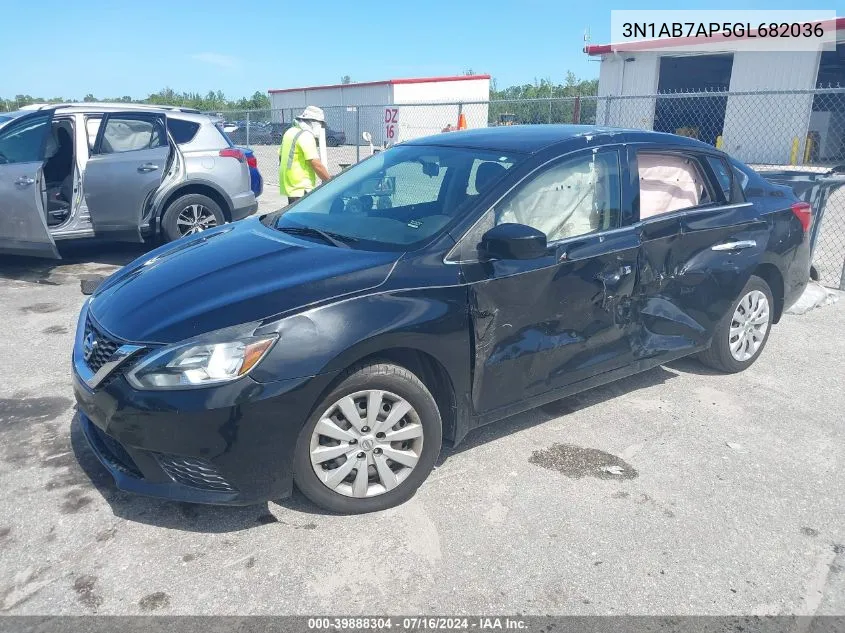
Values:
[(441, 285)]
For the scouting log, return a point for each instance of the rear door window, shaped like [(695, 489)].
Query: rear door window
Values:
[(670, 182), (125, 134)]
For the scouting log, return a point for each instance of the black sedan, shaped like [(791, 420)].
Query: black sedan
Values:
[(438, 286)]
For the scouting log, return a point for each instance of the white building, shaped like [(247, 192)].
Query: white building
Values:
[(753, 128), (391, 110)]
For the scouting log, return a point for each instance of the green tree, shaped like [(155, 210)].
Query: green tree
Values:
[(346, 79)]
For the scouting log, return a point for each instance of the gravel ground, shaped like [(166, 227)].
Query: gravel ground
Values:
[(677, 491)]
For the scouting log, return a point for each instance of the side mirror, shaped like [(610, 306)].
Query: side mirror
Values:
[(513, 241)]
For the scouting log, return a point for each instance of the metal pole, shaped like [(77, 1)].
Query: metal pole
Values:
[(842, 277), (247, 129), (607, 109), (357, 134)]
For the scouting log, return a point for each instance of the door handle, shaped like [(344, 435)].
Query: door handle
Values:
[(734, 246), (147, 167), (25, 181)]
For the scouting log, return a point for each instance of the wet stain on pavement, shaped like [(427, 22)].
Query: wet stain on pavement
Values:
[(75, 501), (838, 549), (154, 601), (84, 588), (578, 462), (620, 495), (55, 329), (250, 562), (28, 410), (191, 556), (41, 308), (266, 519), (808, 531), (4, 533)]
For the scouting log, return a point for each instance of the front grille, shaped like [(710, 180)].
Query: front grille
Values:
[(113, 451), (194, 472), (101, 344)]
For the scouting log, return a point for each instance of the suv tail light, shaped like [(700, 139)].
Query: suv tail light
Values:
[(804, 212), (231, 152), (252, 161)]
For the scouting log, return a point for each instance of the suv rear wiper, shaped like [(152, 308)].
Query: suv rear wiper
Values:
[(341, 241)]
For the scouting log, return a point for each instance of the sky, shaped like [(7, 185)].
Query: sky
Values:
[(58, 48)]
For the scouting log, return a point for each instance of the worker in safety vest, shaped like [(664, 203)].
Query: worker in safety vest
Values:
[(299, 161)]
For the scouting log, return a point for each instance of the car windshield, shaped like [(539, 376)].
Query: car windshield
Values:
[(399, 199), (5, 117)]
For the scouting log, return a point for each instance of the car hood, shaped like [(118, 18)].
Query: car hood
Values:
[(227, 276)]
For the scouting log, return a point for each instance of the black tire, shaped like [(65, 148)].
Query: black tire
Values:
[(387, 377), (332, 141), (169, 226), (718, 355)]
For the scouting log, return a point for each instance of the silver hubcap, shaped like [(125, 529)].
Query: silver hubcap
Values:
[(195, 218), (366, 443), (749, 325)]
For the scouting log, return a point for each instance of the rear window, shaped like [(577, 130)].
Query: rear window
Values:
[(182, 131)]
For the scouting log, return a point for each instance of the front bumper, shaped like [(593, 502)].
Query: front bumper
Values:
[(231, 445)]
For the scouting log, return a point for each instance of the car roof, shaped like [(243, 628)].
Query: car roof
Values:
[(174, 112), (530, 139), (109, 105)]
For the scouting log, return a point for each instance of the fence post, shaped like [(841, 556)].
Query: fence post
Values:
[(607, 109), (247, 129), (576, 109), (460, 111), (357, 134)]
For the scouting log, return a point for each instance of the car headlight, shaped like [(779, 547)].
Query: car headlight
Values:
[(200, 364)]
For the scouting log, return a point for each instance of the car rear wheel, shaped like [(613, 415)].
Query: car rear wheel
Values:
[(370, 443), (742, 334), (190, 214)]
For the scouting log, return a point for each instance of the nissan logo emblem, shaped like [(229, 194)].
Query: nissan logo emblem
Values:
[(89, 345)]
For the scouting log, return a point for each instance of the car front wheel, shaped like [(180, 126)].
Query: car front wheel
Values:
[(742, 334), (370, 443)]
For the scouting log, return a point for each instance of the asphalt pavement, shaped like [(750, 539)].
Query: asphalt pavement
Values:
[(677, 491)]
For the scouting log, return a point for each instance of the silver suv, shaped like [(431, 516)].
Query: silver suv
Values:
[(117, 171)]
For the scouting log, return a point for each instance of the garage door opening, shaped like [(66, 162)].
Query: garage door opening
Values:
[(698, 117), (826, 132)]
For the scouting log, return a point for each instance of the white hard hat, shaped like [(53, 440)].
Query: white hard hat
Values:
[(312, 113)]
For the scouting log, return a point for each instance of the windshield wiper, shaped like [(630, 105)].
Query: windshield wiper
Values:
[(341, 241)]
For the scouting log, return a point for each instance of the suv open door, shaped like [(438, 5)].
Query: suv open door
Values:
[(130, 157), (23, 221)]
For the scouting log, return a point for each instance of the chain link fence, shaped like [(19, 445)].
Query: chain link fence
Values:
[(771, 131)]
